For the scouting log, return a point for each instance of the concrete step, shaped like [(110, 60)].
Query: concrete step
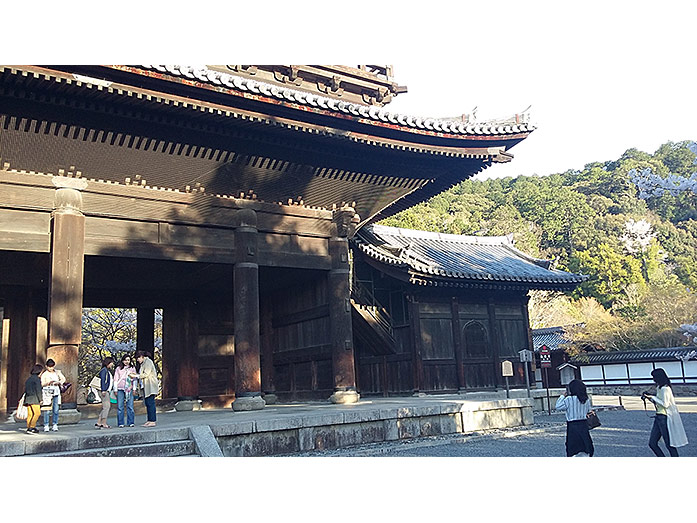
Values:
[(63, 444), (162, 449)]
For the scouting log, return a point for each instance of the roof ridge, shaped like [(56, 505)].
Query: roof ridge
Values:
[(518, 123), (416, 233)]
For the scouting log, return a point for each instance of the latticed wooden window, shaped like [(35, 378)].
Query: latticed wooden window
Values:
[(476, 339)]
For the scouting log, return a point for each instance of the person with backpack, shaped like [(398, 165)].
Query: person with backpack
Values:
[(667, 423)]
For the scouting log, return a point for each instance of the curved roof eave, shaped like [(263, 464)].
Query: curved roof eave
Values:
[(200, 76), (424, 271)]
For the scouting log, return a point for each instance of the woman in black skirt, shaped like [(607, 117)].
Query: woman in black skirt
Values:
[(576, 404)]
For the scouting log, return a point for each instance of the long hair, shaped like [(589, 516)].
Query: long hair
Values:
[(578, 388), (107, 361), (660, 377), (122, 364)]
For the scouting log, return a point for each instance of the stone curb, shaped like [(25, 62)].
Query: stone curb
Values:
[(206, 444)]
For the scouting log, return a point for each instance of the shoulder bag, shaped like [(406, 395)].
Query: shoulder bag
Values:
[(22, 411), (592, 419)]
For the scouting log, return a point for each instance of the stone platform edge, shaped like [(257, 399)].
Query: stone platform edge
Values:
[(286, 436), (290, 434)]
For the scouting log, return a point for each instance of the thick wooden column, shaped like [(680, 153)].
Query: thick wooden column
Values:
[(145, 329), (180, 352), (66, 281), (246, 314), (23, 344), (341, 329)]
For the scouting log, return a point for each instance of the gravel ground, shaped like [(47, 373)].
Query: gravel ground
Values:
[(624, 433)]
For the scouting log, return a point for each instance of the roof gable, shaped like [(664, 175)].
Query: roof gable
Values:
[(452, 260)]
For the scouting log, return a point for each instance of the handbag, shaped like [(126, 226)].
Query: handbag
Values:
[(22, 410), (592, 419), (96, 383)]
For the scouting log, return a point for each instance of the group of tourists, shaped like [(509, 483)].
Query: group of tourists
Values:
[(43, 389), (667, 425)]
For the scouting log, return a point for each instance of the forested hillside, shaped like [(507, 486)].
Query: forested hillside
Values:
[(630, 224)]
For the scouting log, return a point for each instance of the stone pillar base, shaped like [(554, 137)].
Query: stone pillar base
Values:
[(344, 396), (65, 417), (270, 398), (248, 403), (187, 405)]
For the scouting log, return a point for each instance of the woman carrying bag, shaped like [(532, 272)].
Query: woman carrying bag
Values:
[(51, 380), (32, 398), (151, 385), (123, 378), (106, 386), (667, 423), (576, 404)]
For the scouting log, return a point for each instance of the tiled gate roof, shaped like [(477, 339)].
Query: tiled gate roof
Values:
[(463, 261)]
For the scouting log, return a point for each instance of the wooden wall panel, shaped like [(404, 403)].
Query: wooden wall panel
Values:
[(479, 375), (441, 376), (214, 381)]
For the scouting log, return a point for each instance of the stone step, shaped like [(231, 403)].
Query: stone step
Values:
[(59, 443), (162, 449)]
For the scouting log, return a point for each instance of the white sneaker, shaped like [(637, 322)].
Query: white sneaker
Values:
[(55, 428), (46, 428)]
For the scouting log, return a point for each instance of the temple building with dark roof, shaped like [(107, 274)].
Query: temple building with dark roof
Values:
[(226, 196), (452, 306)]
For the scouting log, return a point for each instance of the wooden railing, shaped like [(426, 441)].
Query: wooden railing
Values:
[(365, 299)]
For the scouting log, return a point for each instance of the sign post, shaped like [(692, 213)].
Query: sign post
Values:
[(506, 371), (525, 357), (545, 363)]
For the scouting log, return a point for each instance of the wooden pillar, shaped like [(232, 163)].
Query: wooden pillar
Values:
[(66, 281), (457, 343), (526, 319), (23, 344), (267, 344), (246, 314), (341, 328), (180, 352), (495, 341), (4, 352), (415, 325), (145, 325)]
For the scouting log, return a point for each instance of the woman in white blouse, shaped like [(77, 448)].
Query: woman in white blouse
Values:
[(576, 404), (667, 423), (51, 380)]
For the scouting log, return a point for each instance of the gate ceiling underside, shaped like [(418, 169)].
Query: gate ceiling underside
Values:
[(56, 128)]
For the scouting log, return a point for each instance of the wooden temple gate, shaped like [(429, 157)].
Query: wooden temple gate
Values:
[(224, 200)]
